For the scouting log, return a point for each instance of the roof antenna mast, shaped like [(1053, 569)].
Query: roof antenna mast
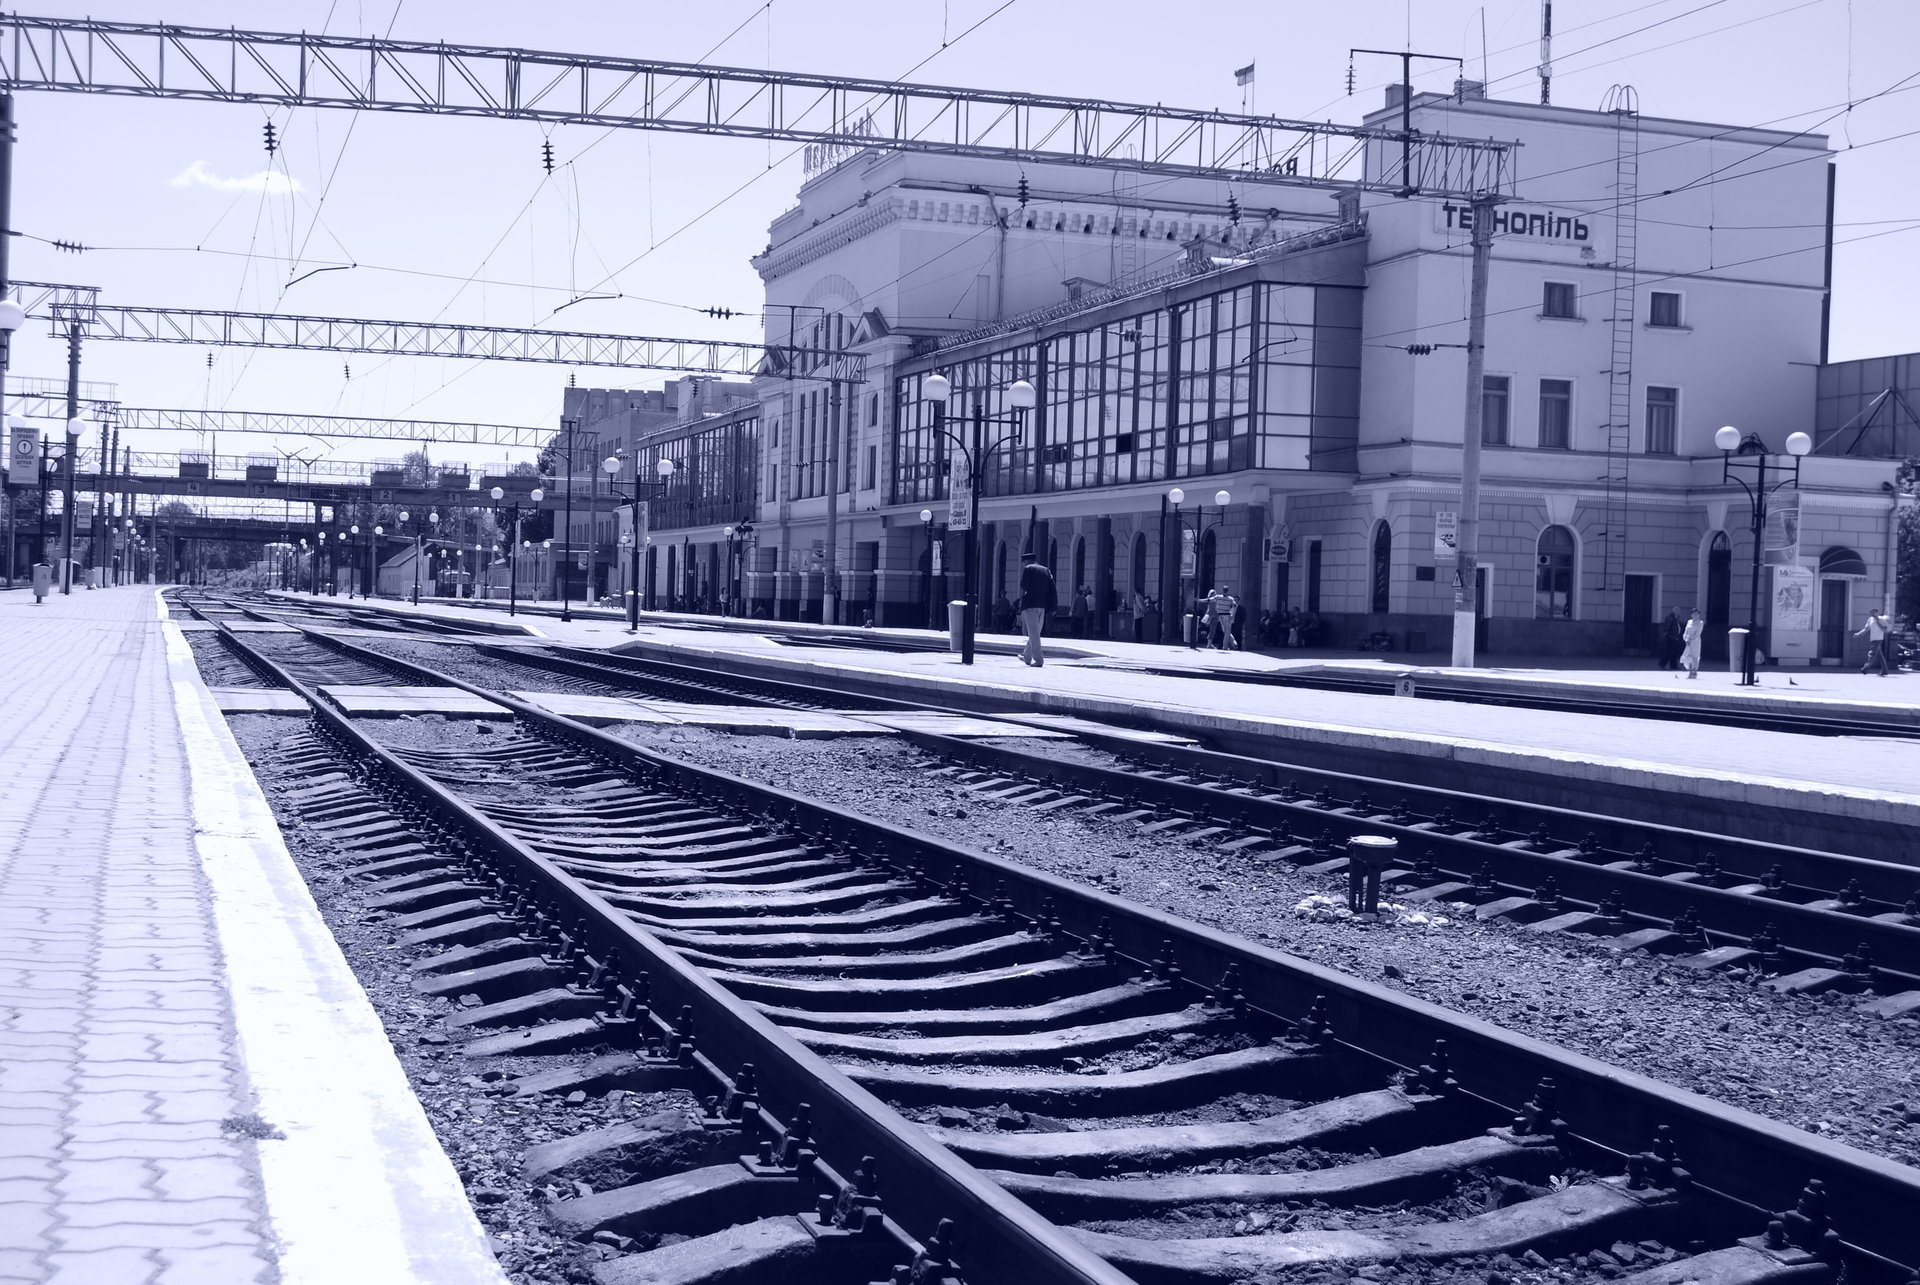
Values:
[(1546, 52)]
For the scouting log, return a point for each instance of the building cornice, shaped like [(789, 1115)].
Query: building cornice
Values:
[(832, 236)]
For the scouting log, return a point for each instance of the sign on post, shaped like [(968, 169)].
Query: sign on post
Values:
[(21, 452), (960, 502), (1279, 546), (1189, 553), (938, 547), (1780, 545), (1446, 537)]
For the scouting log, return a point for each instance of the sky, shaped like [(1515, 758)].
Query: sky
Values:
[(454, 219)]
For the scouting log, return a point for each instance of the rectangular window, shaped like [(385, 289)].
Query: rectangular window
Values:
[(1664, 309), (873, 467), (1558, 300), (1663, 419), (1494, 393), (1556, 414)]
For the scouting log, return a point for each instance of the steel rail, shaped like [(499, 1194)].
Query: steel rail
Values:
[(1732, 1153), (925, 1184), (1574, 870)]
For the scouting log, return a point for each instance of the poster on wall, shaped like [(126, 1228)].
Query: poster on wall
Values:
[(1791, 613), (1792, 598), (1446, 537)]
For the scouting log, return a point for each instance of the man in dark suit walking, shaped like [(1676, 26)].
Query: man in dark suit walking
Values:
[(1037, 601)]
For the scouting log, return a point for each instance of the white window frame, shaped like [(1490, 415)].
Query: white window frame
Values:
[(1681, 305), (1573, 404), (1646, 410), (1573, 286)]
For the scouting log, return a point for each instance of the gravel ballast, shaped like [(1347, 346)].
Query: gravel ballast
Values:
[(485, 1131), (1809, 1061)]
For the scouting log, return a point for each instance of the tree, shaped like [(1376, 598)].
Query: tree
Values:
[(1906, 582)]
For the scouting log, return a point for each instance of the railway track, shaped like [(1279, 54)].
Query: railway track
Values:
[(1157, 1079), (1430, 687), (1814, 920)]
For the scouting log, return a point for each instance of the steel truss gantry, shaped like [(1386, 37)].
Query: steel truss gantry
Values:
[(154, 60), (290, 424), (217, 328)]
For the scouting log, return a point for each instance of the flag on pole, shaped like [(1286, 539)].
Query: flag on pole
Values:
[(1244, 76)]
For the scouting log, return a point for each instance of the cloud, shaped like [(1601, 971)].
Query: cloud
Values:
[(271, 182)]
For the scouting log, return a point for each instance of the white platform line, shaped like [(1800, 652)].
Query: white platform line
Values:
[(359, 1192)]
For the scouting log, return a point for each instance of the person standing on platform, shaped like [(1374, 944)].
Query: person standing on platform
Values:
[(1876, 630), (1139, 616), (1670, 641), (1690, 637), (1038, 598), (1082, 607)]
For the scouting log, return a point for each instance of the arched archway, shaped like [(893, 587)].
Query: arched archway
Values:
[(1000, 569), (1554, 581), (1207, 546), (673, 584), (1079, 564), (1380, 563), (1138, 563)]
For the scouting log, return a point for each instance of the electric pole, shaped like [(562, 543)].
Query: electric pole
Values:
[(1465, 585)]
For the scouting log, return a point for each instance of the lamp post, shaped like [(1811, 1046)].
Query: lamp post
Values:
[(1739, 452), (926, 524), (373, 562), (1177, 497), (1022, 397), (513, 562), (406, 517), (740, 538), (352, 563)]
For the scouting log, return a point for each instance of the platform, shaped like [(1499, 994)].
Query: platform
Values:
[(397, 702), (167, 988)]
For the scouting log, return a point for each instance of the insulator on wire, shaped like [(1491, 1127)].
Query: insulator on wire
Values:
[(209, 359), (723, 314), (1025, 191), (1233, 209), (546, 155), (1419, 350), (1349, 78), (273, 142), (346, 371)]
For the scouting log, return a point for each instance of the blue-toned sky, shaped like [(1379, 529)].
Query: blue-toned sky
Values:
[(455, 219)]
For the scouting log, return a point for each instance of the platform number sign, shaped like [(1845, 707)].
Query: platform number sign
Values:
[(21, 451), (1403, 685)]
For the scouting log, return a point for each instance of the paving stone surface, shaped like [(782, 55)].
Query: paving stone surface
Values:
[(118, 1063)]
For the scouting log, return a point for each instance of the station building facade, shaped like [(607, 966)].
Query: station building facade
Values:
[(1652, 280)]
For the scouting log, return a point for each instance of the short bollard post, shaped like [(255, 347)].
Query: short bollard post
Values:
[(1367, 856)]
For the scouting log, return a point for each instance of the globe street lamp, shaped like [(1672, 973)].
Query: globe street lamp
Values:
[(663, 470), (1738, 452), (1190, 553), (964, 509), (352, 563)]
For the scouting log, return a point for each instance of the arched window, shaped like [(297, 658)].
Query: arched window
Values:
[(1079, 564), (1553, 575), (1139, 567), (1207, 545), (1382, 579)]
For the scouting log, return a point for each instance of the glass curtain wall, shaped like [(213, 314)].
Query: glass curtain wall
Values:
[(1262, 375), (715, 479)]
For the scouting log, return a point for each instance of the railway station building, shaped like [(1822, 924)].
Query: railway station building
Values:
[(1303, 351)]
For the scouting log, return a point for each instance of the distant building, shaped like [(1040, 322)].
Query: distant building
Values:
[(1652, 281)]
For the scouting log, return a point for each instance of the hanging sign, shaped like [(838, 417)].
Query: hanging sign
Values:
[(1189, 553), (1446, 537), (20, 456), (938, 547), (1279, 546), (959, 497), (1780, 545)]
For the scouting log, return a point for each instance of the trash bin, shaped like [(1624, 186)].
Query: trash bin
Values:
[(1186, 629), (42, 581), (956, 623), (1736, 651)]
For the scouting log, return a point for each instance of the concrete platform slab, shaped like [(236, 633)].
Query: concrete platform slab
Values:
[(393, 702), (752, 719), (956, 725), (130, 803), (596, 711), (240, 626), (257, 700), (1073, 724)]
